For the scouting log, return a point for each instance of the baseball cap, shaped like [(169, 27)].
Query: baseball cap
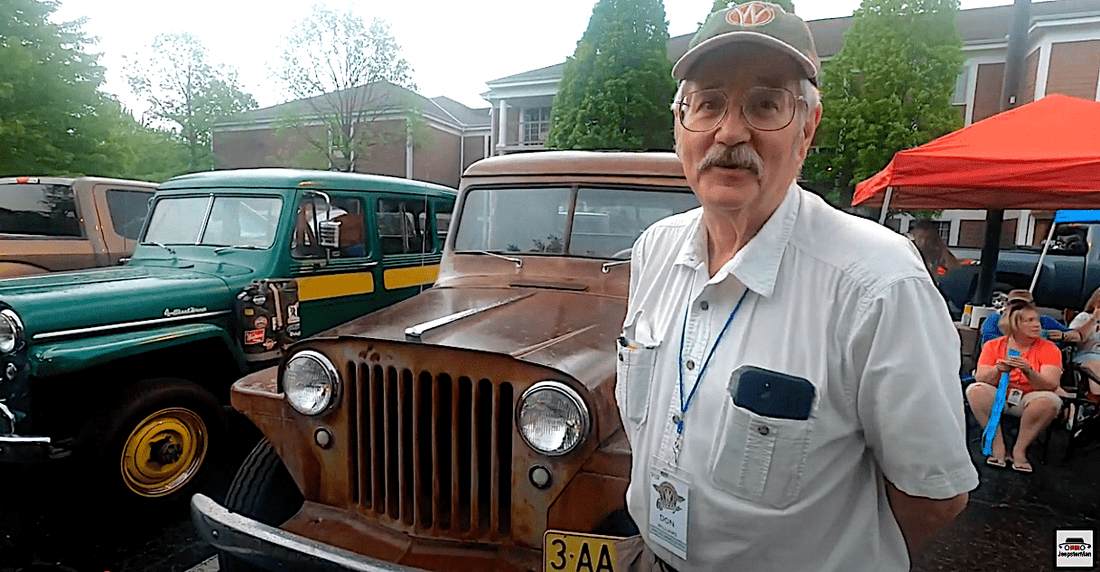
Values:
[(760, 22), (1019, 295)]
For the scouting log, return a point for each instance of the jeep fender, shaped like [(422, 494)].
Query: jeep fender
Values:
[(66, 356)]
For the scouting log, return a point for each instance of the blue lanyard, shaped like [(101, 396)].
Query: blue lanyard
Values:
[(995, 412), (684, 404)]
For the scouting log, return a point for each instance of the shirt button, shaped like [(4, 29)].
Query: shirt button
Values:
[(690, 365), (704, 305), (676, 419), (763, 430), (621, 358)]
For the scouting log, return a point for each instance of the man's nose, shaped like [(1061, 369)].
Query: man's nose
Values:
[(733, 128)]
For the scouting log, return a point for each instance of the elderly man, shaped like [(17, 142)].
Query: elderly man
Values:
[(787, 373)]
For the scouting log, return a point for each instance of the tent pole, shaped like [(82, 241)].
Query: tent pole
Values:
[(886, 205), (994, 221), (1042, 255)]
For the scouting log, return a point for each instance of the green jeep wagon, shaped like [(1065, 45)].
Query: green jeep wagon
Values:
[(130, 366)]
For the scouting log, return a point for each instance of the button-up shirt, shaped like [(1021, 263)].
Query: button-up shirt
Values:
[(836, 300)]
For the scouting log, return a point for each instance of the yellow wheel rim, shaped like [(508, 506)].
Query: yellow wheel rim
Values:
[(164, 452)]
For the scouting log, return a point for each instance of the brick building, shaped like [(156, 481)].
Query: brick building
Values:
[(455, 136), (1063, 44)]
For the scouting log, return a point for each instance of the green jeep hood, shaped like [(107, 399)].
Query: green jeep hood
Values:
[(74, 300)]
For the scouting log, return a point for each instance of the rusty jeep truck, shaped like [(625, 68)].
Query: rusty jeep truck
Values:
[(129, 367), (465, 427), (49, 224)]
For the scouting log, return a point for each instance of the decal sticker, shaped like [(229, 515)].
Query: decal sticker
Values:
[(253, 337), (292, 314), (249, 312), (269, 343), (260, 323)]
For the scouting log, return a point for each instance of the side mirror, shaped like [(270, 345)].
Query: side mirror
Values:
[(329, 231)]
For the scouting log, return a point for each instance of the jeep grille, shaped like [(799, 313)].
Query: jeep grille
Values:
[(434, 452)]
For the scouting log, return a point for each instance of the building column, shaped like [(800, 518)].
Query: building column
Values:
[(502, 126), (408, 149)]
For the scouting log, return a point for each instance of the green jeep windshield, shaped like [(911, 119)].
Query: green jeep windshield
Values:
[(232, 221), (589, 222)]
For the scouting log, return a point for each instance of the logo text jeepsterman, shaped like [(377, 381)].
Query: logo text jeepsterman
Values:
[(172, 313)]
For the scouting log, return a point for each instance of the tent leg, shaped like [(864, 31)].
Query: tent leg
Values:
[(886, 205)]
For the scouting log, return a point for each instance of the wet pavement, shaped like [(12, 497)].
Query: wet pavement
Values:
[(48, 524)]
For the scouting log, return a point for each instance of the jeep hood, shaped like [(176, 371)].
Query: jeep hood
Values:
[(69, 301), (570, 331)]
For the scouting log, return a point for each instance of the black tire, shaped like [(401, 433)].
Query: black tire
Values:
[(263, 490), (156, 440)]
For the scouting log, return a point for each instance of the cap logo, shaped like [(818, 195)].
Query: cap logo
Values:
[(751, 14)]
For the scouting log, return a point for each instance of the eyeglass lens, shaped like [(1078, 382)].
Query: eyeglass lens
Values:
[(765, 108)]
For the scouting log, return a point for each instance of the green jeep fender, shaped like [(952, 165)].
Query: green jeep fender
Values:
[(67, 356)]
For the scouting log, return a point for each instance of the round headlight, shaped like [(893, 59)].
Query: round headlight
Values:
[(552, 418), (11, 331), (310, 382)]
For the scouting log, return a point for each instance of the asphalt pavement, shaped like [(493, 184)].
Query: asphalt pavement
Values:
[(48, 523)]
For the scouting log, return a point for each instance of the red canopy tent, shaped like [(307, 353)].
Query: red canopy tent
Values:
[(1044, 155)]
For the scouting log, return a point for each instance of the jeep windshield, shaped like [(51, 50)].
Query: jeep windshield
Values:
[(248, 222), (573, 221)]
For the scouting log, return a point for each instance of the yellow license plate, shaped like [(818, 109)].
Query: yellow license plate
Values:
[(577, 552)]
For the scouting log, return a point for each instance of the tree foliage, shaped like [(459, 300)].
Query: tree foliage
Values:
[(616, 89), (348, 76), (51, 111), (719, 4), (889, 88), (186, 92), (143, 152)]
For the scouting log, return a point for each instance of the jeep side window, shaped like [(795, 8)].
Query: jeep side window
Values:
[(128, 211), (312, 210), (400, 226), (442, 222), (41, 209)]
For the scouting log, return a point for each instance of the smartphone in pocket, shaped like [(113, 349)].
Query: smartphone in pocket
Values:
[(771, 393)]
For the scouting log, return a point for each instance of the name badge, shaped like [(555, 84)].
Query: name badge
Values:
[(668, 517), (1014, 397)]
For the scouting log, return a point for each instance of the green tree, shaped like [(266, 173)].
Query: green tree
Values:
[(616, 89), (348, 76), (719, 4), (187, 93), (889, 88), (143, 152), (51, 109)]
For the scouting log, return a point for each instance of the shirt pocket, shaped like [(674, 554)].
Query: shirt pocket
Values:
[(633, 378), (760, 459)]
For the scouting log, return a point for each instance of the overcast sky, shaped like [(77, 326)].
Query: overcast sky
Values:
[(453, 46)]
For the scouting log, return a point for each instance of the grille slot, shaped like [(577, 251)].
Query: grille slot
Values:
[(434, 453)]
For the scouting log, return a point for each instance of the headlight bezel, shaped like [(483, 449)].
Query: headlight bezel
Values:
[(16, 341), (573, 396), (327, 366)]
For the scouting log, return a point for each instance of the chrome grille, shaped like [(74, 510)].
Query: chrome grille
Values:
[(434, 452)]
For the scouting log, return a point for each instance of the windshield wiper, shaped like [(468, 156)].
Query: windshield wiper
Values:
[(160, 245), (519, 262), (240, 246)]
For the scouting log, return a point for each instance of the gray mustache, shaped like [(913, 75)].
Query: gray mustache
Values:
[(737, 157)]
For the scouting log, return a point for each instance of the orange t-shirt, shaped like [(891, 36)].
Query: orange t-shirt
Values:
[(1042, 352)]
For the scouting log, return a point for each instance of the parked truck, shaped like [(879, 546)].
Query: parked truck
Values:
[(129, 367), (1070, 270), (474, 426), (48, 224)]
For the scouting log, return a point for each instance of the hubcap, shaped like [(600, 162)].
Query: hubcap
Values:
[(164, 452)]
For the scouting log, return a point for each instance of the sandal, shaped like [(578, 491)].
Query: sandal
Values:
[(995, 462), (1021, 466)]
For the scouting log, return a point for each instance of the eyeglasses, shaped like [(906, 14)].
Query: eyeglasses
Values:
[(764, 108)]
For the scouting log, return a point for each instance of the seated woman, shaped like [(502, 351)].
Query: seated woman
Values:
[(1087, 326), (1052, 330), (1033, 377)]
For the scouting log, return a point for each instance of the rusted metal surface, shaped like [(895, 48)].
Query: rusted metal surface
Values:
[(426, 467)]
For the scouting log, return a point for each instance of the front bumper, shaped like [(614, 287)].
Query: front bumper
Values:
[(20, 449), (273, 549)]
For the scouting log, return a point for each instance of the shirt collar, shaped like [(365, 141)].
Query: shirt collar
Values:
[(756, 265)]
